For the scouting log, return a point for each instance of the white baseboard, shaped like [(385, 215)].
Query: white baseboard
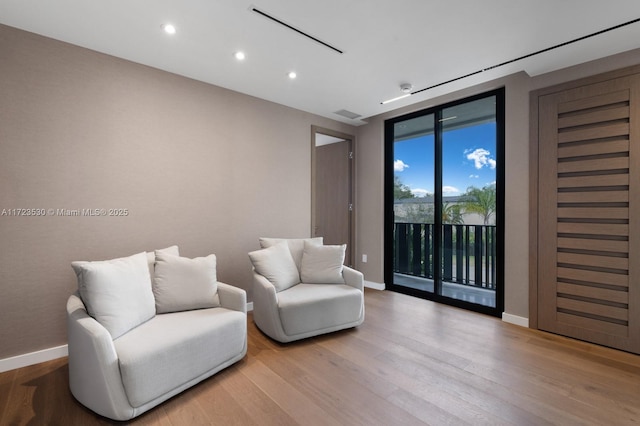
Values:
[(249, 306), (32, 358), (375, 286), (514, 319)]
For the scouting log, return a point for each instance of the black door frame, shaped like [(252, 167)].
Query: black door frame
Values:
[(500, 202)]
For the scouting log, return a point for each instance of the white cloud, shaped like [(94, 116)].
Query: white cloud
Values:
[(450, 190), (399, 166), (419, 192), (474, 176), (481, 158)]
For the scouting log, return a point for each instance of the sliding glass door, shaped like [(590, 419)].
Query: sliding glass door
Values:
[(444, 203)]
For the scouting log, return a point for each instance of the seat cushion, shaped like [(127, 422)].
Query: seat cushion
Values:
[(173, 348), (309, 307)]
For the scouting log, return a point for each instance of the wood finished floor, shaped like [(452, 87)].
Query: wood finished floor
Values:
[(412, 362)]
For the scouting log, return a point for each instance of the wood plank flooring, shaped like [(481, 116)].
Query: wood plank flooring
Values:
[(412, 362)]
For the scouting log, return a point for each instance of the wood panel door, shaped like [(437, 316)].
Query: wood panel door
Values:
[(588, 217)]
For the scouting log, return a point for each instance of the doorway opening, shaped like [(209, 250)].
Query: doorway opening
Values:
[(332, 189)]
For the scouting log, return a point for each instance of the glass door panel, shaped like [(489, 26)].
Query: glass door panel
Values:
[(468, 201), (413, 202)]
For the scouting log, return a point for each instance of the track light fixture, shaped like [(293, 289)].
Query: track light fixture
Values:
[(405, 88)]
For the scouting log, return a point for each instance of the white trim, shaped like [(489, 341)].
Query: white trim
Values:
[(32, 358), (514, 319), (249, 306), (375, 286)]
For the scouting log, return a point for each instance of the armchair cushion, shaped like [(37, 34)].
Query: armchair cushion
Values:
[(276, 264), (296, 246), (176, 348), (117, 293), (309, 307), (182, 284), (322, 264)]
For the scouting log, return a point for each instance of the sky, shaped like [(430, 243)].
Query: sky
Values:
[(469, 159)]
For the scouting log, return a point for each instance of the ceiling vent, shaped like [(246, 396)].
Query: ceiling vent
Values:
[(347, 114)]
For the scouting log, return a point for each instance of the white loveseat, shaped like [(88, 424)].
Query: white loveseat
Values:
[(134, 344), (302, 289)]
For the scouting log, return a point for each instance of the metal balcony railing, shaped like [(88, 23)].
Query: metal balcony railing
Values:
[(468, 253)]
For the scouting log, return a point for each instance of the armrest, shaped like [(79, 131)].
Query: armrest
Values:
[(265, 307), (353, 278), (264, 291), (94, 371), (233, 298)]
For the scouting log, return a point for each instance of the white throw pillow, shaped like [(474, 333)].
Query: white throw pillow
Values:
[(117, 293), (276, 264), (296, 246), (322, 264), (151, 258), (183, 284)]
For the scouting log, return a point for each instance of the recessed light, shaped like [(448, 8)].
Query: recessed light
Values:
[(239, 56), (169, 28), (292, 75)]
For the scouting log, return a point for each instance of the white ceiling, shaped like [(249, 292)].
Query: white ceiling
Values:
[(385, 43)]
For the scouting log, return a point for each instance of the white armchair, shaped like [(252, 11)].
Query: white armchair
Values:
[(123, 363), (301, 289)]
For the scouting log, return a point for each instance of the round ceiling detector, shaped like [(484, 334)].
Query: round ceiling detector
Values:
[(406, 87)]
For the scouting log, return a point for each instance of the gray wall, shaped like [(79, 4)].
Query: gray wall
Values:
[(195, 165)]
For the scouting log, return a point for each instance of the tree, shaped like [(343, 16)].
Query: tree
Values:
[(481, 201), (452, 214), (401, 191)]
